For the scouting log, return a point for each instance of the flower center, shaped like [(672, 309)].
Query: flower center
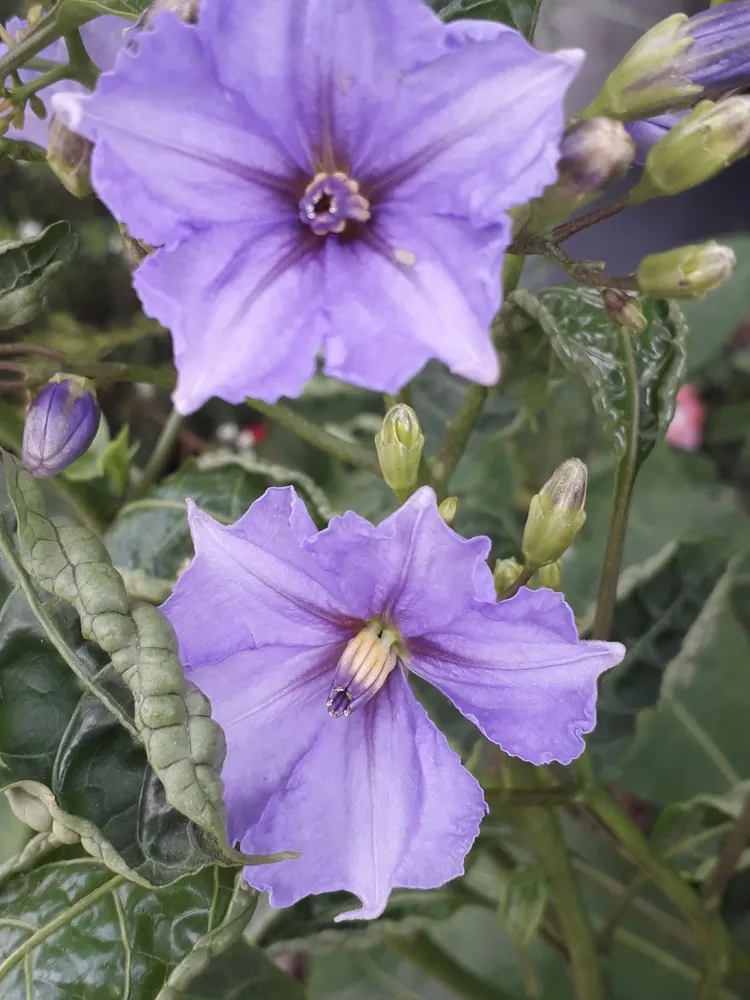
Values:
[(363, 669), (330, 201)]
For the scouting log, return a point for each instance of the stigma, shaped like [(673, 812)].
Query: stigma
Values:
[(363, 669), (330, 202)]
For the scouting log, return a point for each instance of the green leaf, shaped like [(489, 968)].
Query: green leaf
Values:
[(694, 742), (73, 929), (520, 14), (105, 457), (28, 269), (243, 973), (660, 606), (309, 926), (633, 378), (152, 535)]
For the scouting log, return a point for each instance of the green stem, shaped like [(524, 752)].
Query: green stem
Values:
[(87, 72), (526, 244), (708, 929), (625, 900), (544, 832), (458, 431), (734, 845), (627, 468), (62, 71), (422, 951), (103, 372), (509, 798), (522, 580), (45, 32), (318, 437), (57, 640), (160, 455)]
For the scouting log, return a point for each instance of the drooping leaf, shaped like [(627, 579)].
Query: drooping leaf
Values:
[(653, 619), (520, 14), (73, 929), (151, 534), (28, 269)]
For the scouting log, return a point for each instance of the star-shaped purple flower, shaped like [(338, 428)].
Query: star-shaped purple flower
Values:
[(102, 39), (303, 640), (323, 175)]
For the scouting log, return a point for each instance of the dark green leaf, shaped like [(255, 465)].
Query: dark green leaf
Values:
[(633, 378), (27, 270), (308, 925), (520, 14), (653, 621), (74, 930), (152, 534), (244, 973)]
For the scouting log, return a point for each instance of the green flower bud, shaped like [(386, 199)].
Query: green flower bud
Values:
[(594, 154), (399, 444), (447, 509), (704, 143), (505, 574), (550, 576), (556, 515), (648, 81), (624, 310), (687, 272), (69, 156)]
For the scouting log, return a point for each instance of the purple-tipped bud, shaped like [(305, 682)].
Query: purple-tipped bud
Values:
[(679, 61), (594, 153), (69, 156), (61, 423)]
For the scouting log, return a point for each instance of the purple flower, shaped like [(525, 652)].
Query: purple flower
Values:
[(328, 175), (303, 641), (61, 422), (648, 132), (102, 39), (719, 57)]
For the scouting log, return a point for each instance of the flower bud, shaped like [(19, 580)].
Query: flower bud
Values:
[(61, 423), (595, 153), (645, 134), (624, 310), (448, 508), (399, 444), (550, 576), (704, 143), (69, 156), (679, 61), (505, 574), (687, 272), (556, 515)]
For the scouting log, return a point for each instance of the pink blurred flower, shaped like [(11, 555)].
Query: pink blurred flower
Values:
[(685, 432)]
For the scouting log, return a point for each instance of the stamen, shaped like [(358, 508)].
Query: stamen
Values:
[(330, 202), (362, 670)]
